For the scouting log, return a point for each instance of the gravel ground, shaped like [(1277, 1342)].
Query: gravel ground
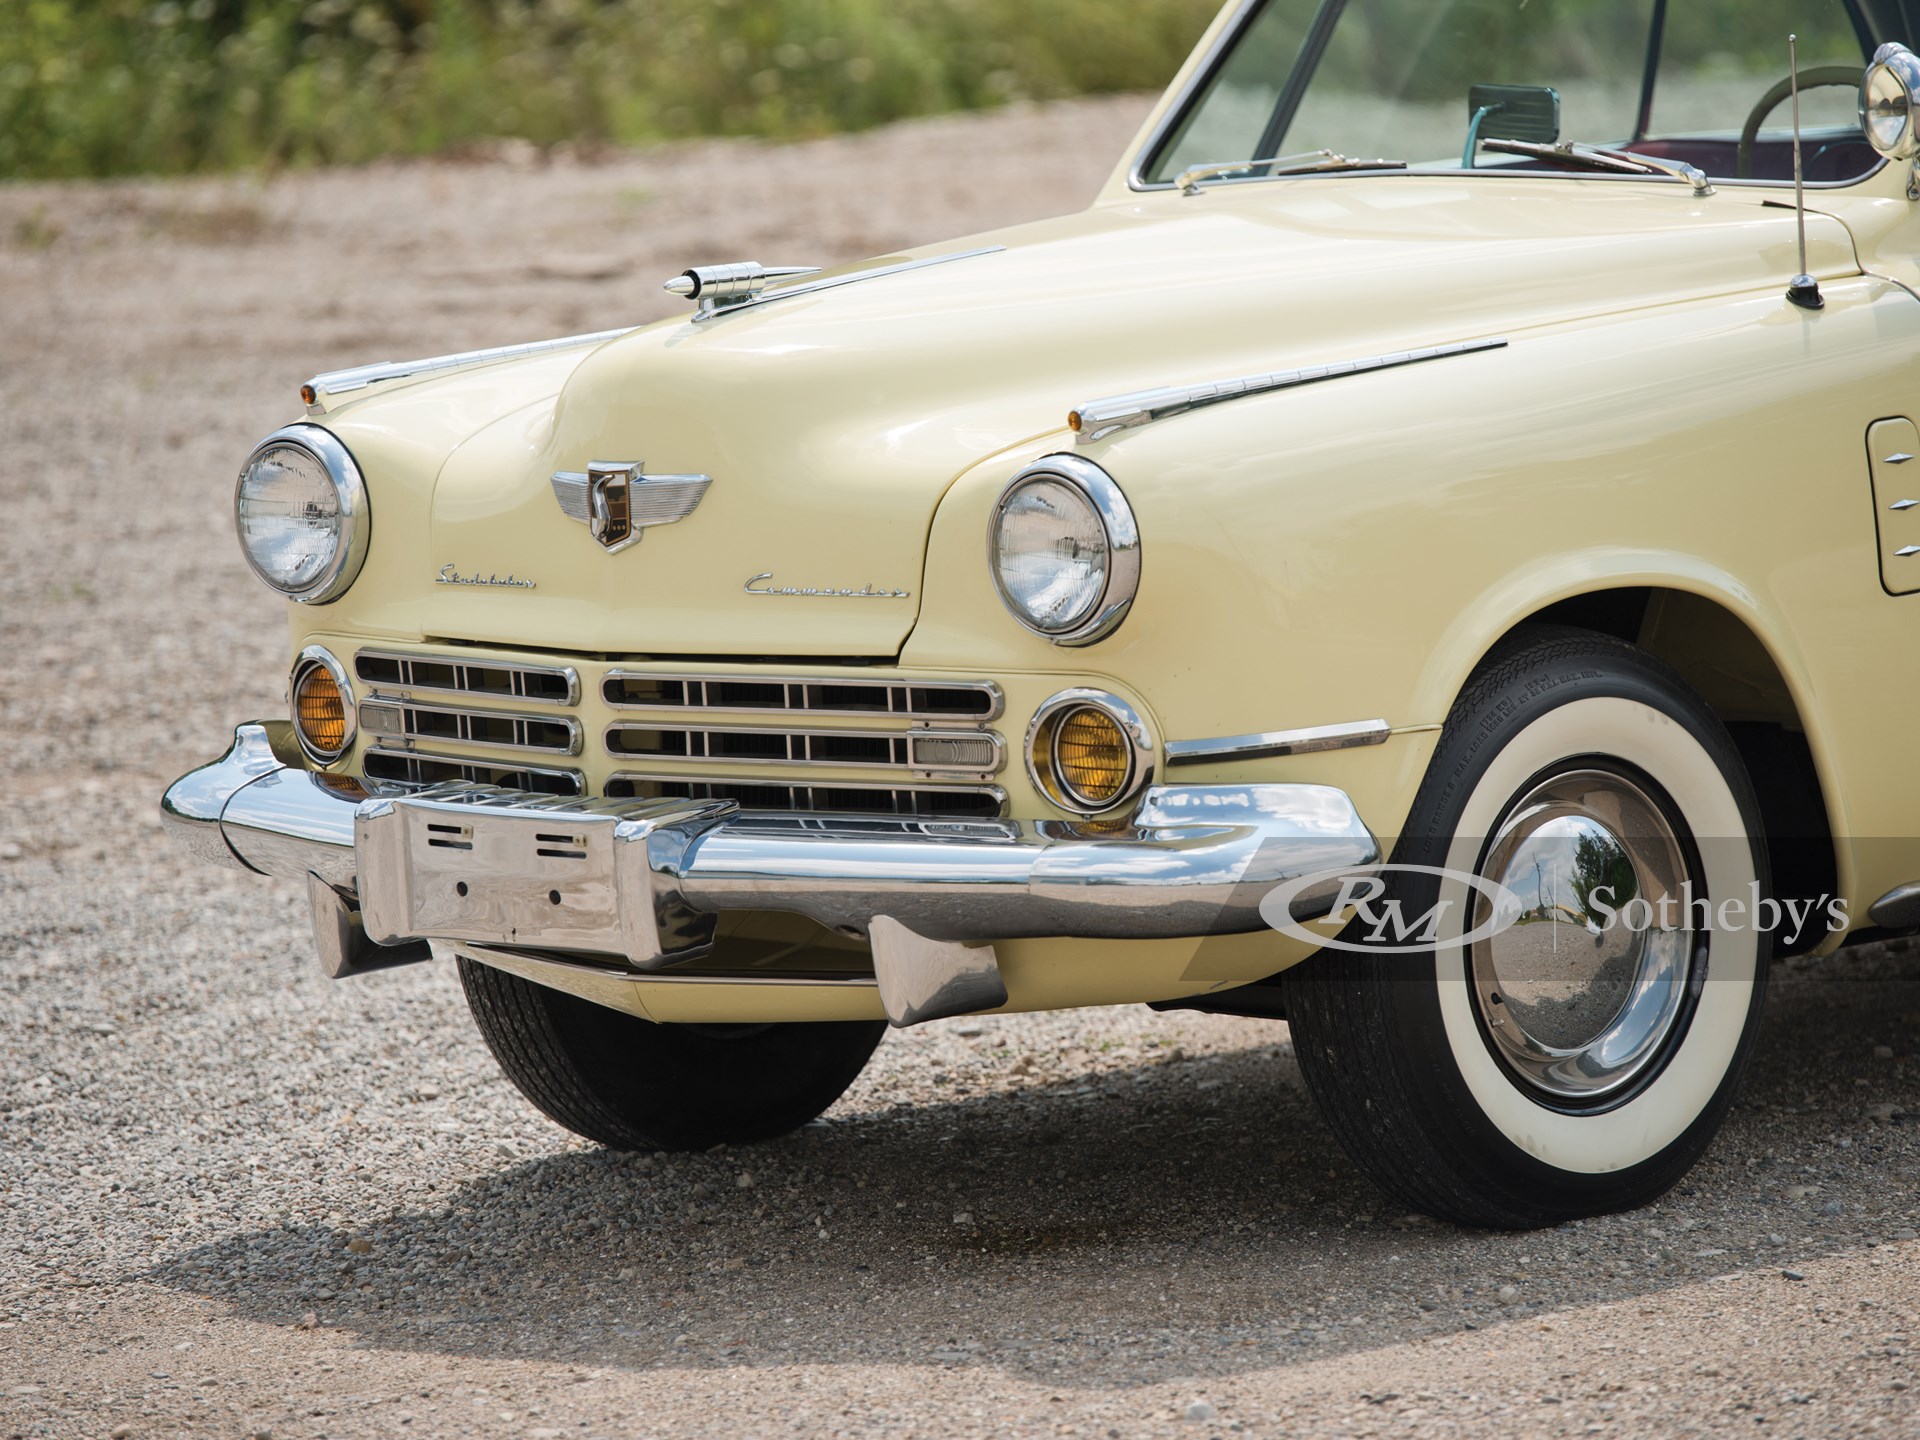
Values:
[(241, 1200)]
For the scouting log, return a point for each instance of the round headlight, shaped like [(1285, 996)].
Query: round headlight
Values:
[(1887, 102), (1065, 550), (323, 714), (300, 508), (1088, 751)]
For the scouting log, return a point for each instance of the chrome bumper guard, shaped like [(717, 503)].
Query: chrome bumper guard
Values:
[(643, 881)]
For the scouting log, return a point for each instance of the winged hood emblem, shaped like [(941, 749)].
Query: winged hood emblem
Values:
[(617, 502)]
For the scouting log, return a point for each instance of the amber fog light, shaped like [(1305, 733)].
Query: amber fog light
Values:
[(1088, 751), (323, 716)]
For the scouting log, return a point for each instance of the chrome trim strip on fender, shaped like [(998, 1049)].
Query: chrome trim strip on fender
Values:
[(1098, 419), (1278, 742), (317, 391)]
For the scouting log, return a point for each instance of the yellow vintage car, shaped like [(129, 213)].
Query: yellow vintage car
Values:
[(1427, 554)]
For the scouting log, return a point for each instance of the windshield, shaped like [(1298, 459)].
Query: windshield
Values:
[(1445, 84)]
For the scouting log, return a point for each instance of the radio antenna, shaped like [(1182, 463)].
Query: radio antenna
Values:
[(1803, 290)]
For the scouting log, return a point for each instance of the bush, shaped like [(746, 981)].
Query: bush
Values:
[(101, 87)]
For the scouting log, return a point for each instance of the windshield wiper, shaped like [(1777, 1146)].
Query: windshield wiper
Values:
[(1308, 163), (1628, 162)]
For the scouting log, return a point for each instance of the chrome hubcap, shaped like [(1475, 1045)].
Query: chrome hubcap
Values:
[(1578, 1001)]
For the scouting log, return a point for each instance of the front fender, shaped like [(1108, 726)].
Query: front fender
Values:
[(1351, 549)]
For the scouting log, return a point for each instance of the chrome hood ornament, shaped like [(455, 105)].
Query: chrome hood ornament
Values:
[(724, 287), (617, 503)]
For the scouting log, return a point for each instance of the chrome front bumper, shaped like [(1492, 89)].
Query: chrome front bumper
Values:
[(642, 882)]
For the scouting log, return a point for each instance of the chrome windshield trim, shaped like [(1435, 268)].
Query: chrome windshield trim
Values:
[(1201, 76), (1098, 419), (1231, 34), (1278, 742), (788, 292), (344, 382)]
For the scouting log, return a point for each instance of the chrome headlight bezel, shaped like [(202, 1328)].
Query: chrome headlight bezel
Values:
[(1894, 63), (1107, 503), (355, 519)]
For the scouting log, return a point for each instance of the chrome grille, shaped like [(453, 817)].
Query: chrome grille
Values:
[(411, 769), (923, 752), (499, 729), (968, 701), (936, 759), (449, 675), (841, 799)]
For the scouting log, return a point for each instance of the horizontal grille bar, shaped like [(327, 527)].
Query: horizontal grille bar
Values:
[(510, 680), (410, 768), (844, 799), (399, 720), (786, 695), (964, 752)]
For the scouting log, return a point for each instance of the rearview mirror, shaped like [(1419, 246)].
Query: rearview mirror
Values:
[(1511, 112)]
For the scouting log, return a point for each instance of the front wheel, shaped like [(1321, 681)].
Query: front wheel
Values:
[(633, 1085), (1591, 859)]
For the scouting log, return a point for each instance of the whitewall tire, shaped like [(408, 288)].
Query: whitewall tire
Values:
[(1563, 1067)]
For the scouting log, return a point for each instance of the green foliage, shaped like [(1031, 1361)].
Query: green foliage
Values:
[(100, 87)]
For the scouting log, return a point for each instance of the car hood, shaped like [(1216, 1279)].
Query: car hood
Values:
[(832, 423)]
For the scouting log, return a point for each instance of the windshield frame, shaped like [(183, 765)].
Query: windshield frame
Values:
[(1327, 14)]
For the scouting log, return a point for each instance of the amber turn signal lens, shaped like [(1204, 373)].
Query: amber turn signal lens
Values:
[(1092, 757), (320, 712)]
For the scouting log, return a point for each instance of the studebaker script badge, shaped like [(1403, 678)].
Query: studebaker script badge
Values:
[(617, 502), (450, 575), (865, 592)]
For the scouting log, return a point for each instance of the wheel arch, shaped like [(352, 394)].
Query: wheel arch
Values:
[(1713, 631)]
